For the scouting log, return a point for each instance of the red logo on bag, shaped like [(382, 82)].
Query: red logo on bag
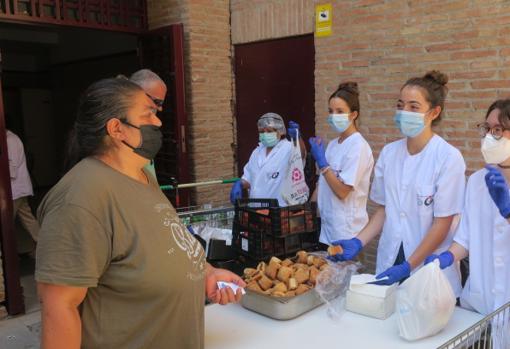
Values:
[(296, 175)]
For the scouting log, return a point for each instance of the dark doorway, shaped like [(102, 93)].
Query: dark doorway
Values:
[(273, 76), (44, 71), (7, 243)]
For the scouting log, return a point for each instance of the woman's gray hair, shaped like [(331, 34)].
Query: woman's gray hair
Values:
[(103, 100)]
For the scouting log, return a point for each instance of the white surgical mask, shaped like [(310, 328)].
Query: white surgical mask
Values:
[(495, 151), (339, 122)]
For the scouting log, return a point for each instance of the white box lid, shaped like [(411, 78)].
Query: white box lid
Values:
[(360, 284)]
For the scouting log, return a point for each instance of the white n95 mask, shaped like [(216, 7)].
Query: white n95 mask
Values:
[(495, 151)]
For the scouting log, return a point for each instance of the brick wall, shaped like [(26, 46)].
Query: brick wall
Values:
[(208, 69), (262, 20), (380, 44)]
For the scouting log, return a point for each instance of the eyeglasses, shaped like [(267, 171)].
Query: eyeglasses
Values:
[(496, 131), (159, 102)]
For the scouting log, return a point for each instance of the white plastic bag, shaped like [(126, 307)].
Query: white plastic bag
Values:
[(294, 189), (425, 303)]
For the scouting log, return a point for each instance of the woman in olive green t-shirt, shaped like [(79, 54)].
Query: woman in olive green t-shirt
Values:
[(115, 267)]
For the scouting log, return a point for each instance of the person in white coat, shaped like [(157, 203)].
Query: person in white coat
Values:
[(484, 228), (345, 167), (21, 185), (269, 162), (418, 186)]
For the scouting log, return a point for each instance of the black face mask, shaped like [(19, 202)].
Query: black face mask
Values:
[(152, 139)]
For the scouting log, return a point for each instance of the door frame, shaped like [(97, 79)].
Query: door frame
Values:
[(180, 124), (10, 263)]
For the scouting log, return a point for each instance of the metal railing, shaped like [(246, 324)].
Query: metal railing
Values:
[(492, 332), (218, 217)]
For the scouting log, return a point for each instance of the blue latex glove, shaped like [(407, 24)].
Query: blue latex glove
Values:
[(293, 129), (445, 259), (351, 249), (236, 192), (394, 274), (498, 189), (318, 151)]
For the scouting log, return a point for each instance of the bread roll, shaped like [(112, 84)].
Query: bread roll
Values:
[(335, 249), (287, 262), (265, 282), (292, 284), (284, 274), (297, 266), (254, 286), (318, 262), (275, 260), (313, 275), (310, 259), (261, 266), (278, 294), (280, 287), (249, 272), (257, 275), (302, 289), (272, 270), (302, 257), (302, 275)]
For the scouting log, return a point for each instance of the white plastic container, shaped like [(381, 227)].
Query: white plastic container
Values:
[(370, 300)]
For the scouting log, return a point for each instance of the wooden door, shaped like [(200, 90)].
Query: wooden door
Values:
[(161, 50), (273, 76)]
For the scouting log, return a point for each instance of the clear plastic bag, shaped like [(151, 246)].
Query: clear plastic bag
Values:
[(333, 283), (425, 303)]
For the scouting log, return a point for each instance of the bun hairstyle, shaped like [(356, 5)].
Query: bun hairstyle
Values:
[(433, 84), (348, 91)]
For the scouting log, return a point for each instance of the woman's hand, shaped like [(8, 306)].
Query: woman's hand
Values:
[(225, 295)]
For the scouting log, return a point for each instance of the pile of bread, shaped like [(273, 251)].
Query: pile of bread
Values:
[(288, 278)]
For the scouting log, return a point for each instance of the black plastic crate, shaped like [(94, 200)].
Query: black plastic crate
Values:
[(262, 229), (266, 217), (261, 246)]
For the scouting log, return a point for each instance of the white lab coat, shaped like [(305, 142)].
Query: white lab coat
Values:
[(414, 189), (21, 185), (352, 162), (486, 235), (265, 172)]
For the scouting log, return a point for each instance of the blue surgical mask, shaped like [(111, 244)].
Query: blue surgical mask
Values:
[(339, 122), (268, 139), (411, 124)]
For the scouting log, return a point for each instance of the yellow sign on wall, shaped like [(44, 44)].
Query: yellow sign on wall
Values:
[(323, 20)]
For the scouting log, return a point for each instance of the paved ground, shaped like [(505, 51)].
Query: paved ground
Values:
[(21, 332)]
